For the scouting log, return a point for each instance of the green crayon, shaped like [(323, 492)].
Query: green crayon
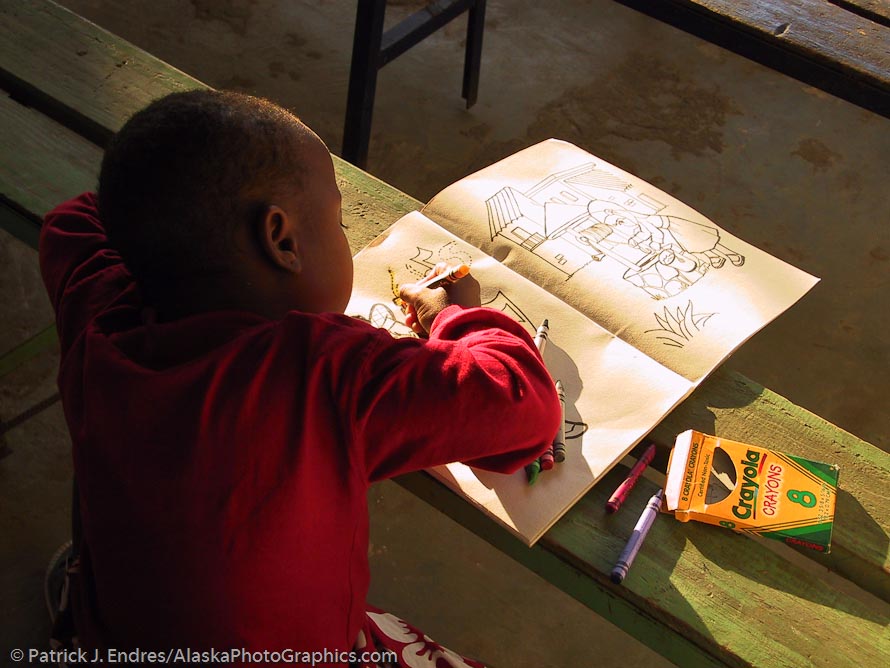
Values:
[(532, 471)]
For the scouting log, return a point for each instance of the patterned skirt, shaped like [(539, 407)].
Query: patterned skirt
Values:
[(389, 642)]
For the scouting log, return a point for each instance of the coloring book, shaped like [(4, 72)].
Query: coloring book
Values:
[(644, 298)]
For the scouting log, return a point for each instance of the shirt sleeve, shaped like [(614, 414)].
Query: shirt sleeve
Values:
[(476, 391), (83, 275)]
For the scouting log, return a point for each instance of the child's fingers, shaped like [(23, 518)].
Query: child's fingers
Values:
[(439, 268), (408, 292), (414, 323)]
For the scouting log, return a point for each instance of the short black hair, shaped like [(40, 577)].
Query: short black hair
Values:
[(183, 173)]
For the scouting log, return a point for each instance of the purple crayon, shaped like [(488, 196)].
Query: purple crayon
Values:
[(636, 538)]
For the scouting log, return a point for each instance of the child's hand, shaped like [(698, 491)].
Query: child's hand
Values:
[(423, 304)]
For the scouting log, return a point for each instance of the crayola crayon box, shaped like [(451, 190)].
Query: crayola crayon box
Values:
[(751, 489)]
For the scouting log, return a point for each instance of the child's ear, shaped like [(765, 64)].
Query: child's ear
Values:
[(279, 240)]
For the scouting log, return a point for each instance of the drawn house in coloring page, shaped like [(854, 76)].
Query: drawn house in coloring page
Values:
[(585, 215)]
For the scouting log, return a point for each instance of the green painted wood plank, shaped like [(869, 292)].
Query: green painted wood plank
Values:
[(697, 595), (814, 41), (594, 591), (730, 405), (874, 10), (815, 29), (369, 204), (13, 359), (41, 162), (23, 226), (732, 592), (84, 76)]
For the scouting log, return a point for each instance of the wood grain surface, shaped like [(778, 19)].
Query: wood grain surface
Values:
[(699, 595)]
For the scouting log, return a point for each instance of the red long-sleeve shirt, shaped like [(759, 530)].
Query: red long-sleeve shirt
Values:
[(223, 459)]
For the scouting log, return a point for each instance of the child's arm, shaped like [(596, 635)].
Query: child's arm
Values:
[(476, 391), (83, 275)]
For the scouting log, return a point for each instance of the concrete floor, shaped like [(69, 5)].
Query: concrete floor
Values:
[(784, 166)]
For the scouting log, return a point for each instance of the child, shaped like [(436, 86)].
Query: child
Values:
[(227, 418)]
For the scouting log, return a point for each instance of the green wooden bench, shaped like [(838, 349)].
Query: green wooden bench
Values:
[(840, 46), (698, 595)]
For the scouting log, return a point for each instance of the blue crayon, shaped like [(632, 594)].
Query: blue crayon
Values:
[(636, 538)]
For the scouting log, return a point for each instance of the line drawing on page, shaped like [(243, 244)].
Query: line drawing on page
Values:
[(503, 303), (679, 325), (382, 316), (575, 429), (420, 265), (584, 214)]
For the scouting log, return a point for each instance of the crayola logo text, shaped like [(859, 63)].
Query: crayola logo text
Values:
[(750, 486)]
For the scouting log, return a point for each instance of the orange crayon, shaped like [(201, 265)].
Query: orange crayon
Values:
[(452, 275)]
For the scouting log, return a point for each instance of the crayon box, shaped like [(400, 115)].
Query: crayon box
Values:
[(751, 489)]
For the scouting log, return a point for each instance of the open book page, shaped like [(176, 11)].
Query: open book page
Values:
[(614, 393), (633, 259)]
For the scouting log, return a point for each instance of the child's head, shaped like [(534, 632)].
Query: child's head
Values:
[(222, 200)]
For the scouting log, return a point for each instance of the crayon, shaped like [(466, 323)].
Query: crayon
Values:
[(532, 471), (559, 443), (541, 336), (636, 538), (547, 459), (451, 275), (620, 494), (557, 450)]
